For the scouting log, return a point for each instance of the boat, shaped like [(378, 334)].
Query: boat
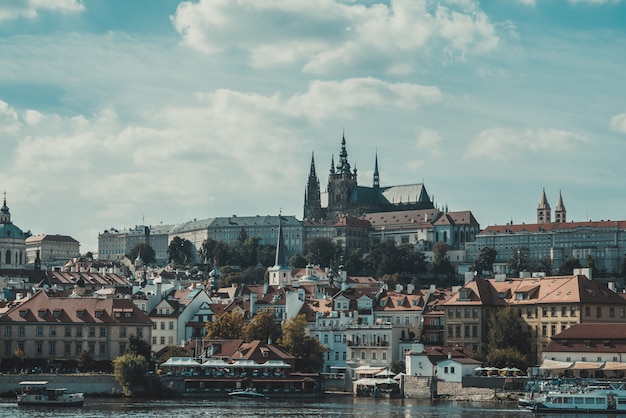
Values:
[(39, 393), (610, 397), (248, 393)]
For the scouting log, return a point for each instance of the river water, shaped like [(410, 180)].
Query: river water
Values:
[(347, 406)]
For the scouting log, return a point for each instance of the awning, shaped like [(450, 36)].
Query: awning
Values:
[(614, 365), (180, 362), (555, 365), (586, 365)]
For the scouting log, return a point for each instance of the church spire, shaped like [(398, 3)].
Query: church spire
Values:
[(312, 195), (280, 244), (332, 164), (343, 166), (376, 175), (543, 209), (560, 214)]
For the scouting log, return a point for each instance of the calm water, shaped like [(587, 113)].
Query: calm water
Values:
[(328, 407)]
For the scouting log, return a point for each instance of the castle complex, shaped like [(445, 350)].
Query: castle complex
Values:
[(345, 197)]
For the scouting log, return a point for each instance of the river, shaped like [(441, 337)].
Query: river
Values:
[(346, 406)]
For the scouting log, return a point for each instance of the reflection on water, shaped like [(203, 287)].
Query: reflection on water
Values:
[(327, 407)]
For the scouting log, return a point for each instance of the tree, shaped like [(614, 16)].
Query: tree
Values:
[(545, 265), (398, 366), (485, 260), (321, 251), (507, 357), (266, 255), (130, 371), (206, 253), (505, 331), (520, 261), (308, 351), (568, 266), (441, 264), (229, 326), (179, 251), (172, 351), (85, 360), (147, 253), (263, 327), (297, 261), (139, 346)]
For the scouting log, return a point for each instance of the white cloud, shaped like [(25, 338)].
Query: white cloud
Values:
[(325, 35), (9, 123), (30, 9), (618, 123), (594, 1), (505, 144), (429, 139), (531, 3)]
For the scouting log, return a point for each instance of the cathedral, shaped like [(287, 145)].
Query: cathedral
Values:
[(345, 197)]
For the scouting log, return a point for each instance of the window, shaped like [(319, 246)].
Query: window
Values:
[(362, 355), (140, 332), (67, 348), (474, 331), (450, 313), (153, 340), (467, 312), (68, 331), (162, 324), (552, 329), (529, 312), (79, 331), (450, 331), (612, 312), (598, 312), (162, 340), (384, 355), (452, 369), (78, 347), (475, 313), (445, 369), (52, 347), (21, 331), (103, 349), (103, 331), (171, 325), (42, 313), (92, 331), (467, 331), (572, 311), (544, 311), (56, 313), (8, 330), (374, 355), (154, 325), (325, 338), (587, 311), (39, 331), (122, 348), (544, 330), (563, 310), (553, 311), (457, 330), (98, 314), (7, 348), (123, 332), (458, 313), (53, 331), (39, 347), (622, 312)]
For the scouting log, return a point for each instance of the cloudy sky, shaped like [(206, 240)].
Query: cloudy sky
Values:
[(117, 113)]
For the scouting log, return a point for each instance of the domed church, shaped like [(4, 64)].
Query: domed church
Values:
[(12, 241)]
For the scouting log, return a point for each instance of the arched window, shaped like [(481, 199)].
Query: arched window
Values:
[(8, 257)]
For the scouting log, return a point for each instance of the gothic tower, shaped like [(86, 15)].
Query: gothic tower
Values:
[(543, 210), (559, 211), (312, 200), (376, 186), (341, 183)]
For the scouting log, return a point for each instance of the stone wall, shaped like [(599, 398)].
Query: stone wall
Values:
[(458, 392), (419, 387), (88, 384)]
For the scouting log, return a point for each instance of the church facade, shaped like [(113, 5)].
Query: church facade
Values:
[(12, 241), (345, 197)]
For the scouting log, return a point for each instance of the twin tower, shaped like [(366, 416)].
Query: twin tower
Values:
[(544, 212)]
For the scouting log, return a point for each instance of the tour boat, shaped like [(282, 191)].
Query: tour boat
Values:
[(602, 398), (38, 393), (249, 393)]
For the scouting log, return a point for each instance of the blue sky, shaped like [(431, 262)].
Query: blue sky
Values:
[(116, 113)]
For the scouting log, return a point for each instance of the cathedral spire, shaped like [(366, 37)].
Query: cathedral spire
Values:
[(332, 164), (376, 175), (560, 214), (543, 209), (343, 166), (312, 195)]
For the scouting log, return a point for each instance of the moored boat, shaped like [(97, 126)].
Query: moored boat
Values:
[(38, 393), (603, 398), (248, 393)]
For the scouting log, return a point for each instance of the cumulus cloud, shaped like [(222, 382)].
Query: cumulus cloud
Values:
[(504, 144), (30, 9), (428, 140), (325, 35), (594, 1), (9, 123), (618, 123)]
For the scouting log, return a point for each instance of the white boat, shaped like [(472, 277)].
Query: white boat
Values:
[(249, 393), (38, 393), (602, 398)]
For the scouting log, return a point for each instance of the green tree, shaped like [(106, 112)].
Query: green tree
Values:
[(520, 261), (507, 357), (297, 261), (130, 372), (398, 366), (180, 251), (266, 255), (229, 326), (308, 351), (147, 253), (545, 265), (506, 331), (263, 327), (568, 266), (139, 346), (354, 263), (206, 253), (172, 351), (441, 264), (321, 251), (383, 259), (85, 360), (485, 260)]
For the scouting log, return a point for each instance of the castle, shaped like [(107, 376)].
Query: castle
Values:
[(345, 197)]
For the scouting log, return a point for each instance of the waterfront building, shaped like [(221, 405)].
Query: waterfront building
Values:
[(545, 306), (12, 241), (47, 327), (422, 360), (52, 250)]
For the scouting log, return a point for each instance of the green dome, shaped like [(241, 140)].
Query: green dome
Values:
[(11, 231)]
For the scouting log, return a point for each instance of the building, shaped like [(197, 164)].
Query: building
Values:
[(51, 249), (12, 241), (344, 196), (545, 306), (115, 244), (48, 328), (602, 241)]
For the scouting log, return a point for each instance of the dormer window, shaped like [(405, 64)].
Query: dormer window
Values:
[(80, 313), (23, 313), (56, 313), (42, 313), (99, 314)]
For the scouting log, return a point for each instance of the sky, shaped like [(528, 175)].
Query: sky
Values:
[(120, 113)]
